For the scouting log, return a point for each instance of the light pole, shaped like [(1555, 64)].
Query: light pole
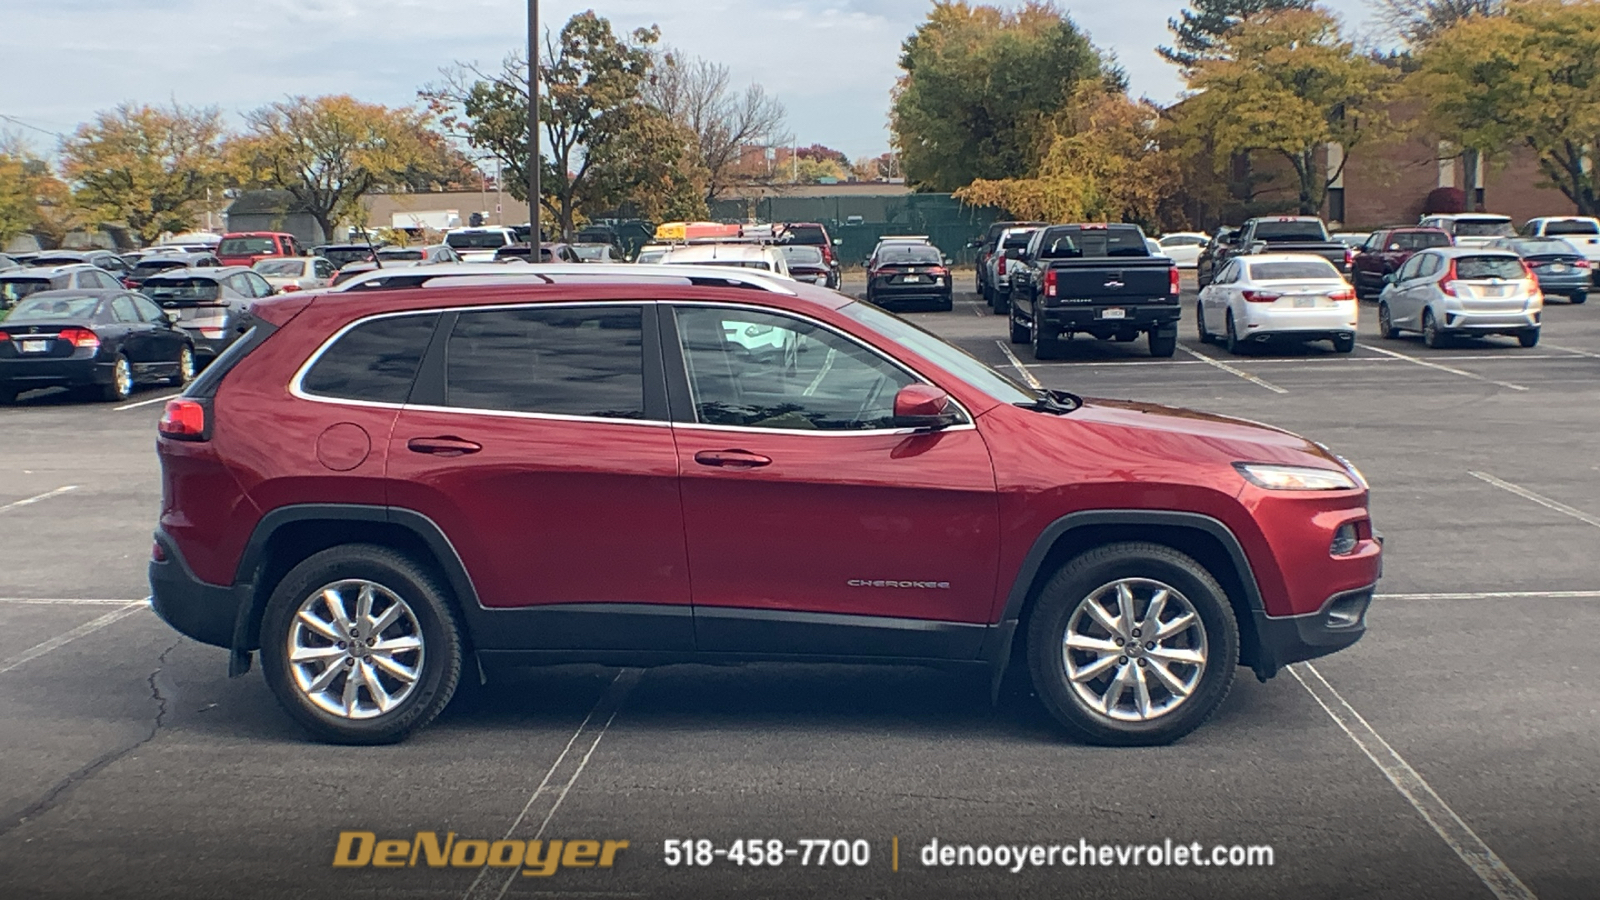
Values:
[(534, 236)]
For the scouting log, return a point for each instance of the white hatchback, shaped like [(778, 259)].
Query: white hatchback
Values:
[(1278, 296)]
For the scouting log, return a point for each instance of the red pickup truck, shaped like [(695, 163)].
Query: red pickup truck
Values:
[(244, 248), (1385, 251)]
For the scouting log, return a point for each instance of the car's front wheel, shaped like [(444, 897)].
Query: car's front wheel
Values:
[(1386, 322), (1132, 644), (185, 372), (360, 646)]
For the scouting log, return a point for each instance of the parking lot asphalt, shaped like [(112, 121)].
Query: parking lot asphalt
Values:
[(1451, 753)]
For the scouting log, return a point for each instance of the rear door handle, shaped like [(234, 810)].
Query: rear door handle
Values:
[(732, 459), (443, 446)]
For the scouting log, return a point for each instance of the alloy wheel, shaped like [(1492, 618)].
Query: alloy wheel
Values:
[(1134, 650), (122, 378), (355, 649)]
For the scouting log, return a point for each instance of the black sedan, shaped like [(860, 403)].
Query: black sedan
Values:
[(1557, 265), (806, 263), (99, 343), (909, 273)]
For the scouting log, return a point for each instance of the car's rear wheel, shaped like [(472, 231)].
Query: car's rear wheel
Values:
[(1045, 345), (1578, 297), (1200, 323), (1164, 343), (1344, 343), (1386, 322), (1132, 644), (185, 373), (360, 646), (1528, 337), (948, 303), (1431, 334), (1231, 337), (121, 385)]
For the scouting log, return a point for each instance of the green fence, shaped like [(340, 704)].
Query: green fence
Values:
[(860, 220)]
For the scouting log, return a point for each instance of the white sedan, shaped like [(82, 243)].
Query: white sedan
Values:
[(296, 273), (1183, 247), (1278, 296)]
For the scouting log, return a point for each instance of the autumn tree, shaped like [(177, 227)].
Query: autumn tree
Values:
[(1525, 79), (980, 87), (329, 152), (699, 95), (601, 145), (149, 168), (1102, 165), (1287, 84), (1199, 29)]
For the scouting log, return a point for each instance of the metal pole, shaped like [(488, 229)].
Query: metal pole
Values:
[(534, 236)]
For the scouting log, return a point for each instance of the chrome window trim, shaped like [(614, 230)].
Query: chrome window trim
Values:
[(915, 375)]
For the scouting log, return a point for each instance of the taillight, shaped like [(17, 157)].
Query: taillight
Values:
[(1000, 266), (1050, 283), (82, 338), (1261, 296), (1346, 294), (939, 271), (130, 284), (289, 288), (1448, 283), (1349, 257), (184, 420), (1581, 264), (1173, 286)]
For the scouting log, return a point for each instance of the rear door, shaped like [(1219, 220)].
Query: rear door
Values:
[(538, 440), (815, 526)]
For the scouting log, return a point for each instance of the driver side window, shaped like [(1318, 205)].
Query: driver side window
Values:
[(756, 369)]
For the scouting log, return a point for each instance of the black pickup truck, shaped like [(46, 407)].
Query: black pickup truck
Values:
[(1290, 234), (1093, 279)]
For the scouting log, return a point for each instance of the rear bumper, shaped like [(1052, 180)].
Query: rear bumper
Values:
[(205, 612), (1262, 323), (1468, 322), (1569, 283), (1137, 316), (1282, 640), (885, 294), (28, 374)]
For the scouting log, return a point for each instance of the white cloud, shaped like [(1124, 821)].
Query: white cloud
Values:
[(831, 62)]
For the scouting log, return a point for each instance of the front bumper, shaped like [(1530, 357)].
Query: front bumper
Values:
[(1281, 640), (1091, 317), (205, 612)]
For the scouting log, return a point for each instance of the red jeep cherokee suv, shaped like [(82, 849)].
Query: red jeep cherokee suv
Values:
[(381, 488)]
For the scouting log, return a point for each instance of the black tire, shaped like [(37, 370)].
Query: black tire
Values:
[(1045, 346), (1386, 327), (186, 367), (1578, 298), (1002, 302), (1528, 337), (1230, 339), (1200, 322), (1019, 331), (1163, 344), (1431, 334), (1344, 343), (441, 656), (121, 385), (948, 303), (8, 395), (1077, 583)]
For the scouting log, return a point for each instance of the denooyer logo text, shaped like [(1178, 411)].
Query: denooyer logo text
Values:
[(358, 849)]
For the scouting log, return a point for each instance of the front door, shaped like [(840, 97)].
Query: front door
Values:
[(814, 525), (537, 439)]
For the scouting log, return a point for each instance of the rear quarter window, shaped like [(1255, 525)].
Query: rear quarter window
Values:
[(375, 362)]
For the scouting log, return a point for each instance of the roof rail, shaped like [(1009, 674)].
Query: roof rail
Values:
[(465, 274)]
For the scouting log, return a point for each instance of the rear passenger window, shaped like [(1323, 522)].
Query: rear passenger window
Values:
[(375, 361), (574, 361)]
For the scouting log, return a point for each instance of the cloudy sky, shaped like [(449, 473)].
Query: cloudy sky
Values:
[(831, 62)]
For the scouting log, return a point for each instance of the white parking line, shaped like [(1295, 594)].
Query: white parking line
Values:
[(15, 504), (1496, 595), (1232, 371), (145, 402), (1489, 868), (1017, 364), (1451, 369), (61, 640), (68, 601), (1540, 499), (1573, 350), (606, 709)]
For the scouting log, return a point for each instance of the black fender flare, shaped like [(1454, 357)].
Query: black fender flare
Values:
[(1004, 631)]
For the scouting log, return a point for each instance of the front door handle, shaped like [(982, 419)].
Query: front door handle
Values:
[(732, 459), (443, 446)]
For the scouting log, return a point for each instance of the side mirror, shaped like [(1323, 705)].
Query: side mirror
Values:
[(923, 406), (170, 316), (947, 260), (838, 242), (1389, 278)]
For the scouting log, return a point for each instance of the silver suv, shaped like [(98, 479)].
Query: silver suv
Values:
[(1447, 291)]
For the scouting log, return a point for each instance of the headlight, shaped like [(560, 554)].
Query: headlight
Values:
[(1295, 478)]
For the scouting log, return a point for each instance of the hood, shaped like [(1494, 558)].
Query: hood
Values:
[(1171, 431)]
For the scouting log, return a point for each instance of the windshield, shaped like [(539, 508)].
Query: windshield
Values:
[(281, 268), (949, 357), (400, 255), (344, 257), (650, 256), (909, 254), (54, 308), (1294, 230), (1017, 240), (477, 240), (1470, 268), (1076, 243), (591, 252), (1418, 240), (247, 246), (1293, 271), (181, 289), (1571, 226), (14, 289), (1484, 228)]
